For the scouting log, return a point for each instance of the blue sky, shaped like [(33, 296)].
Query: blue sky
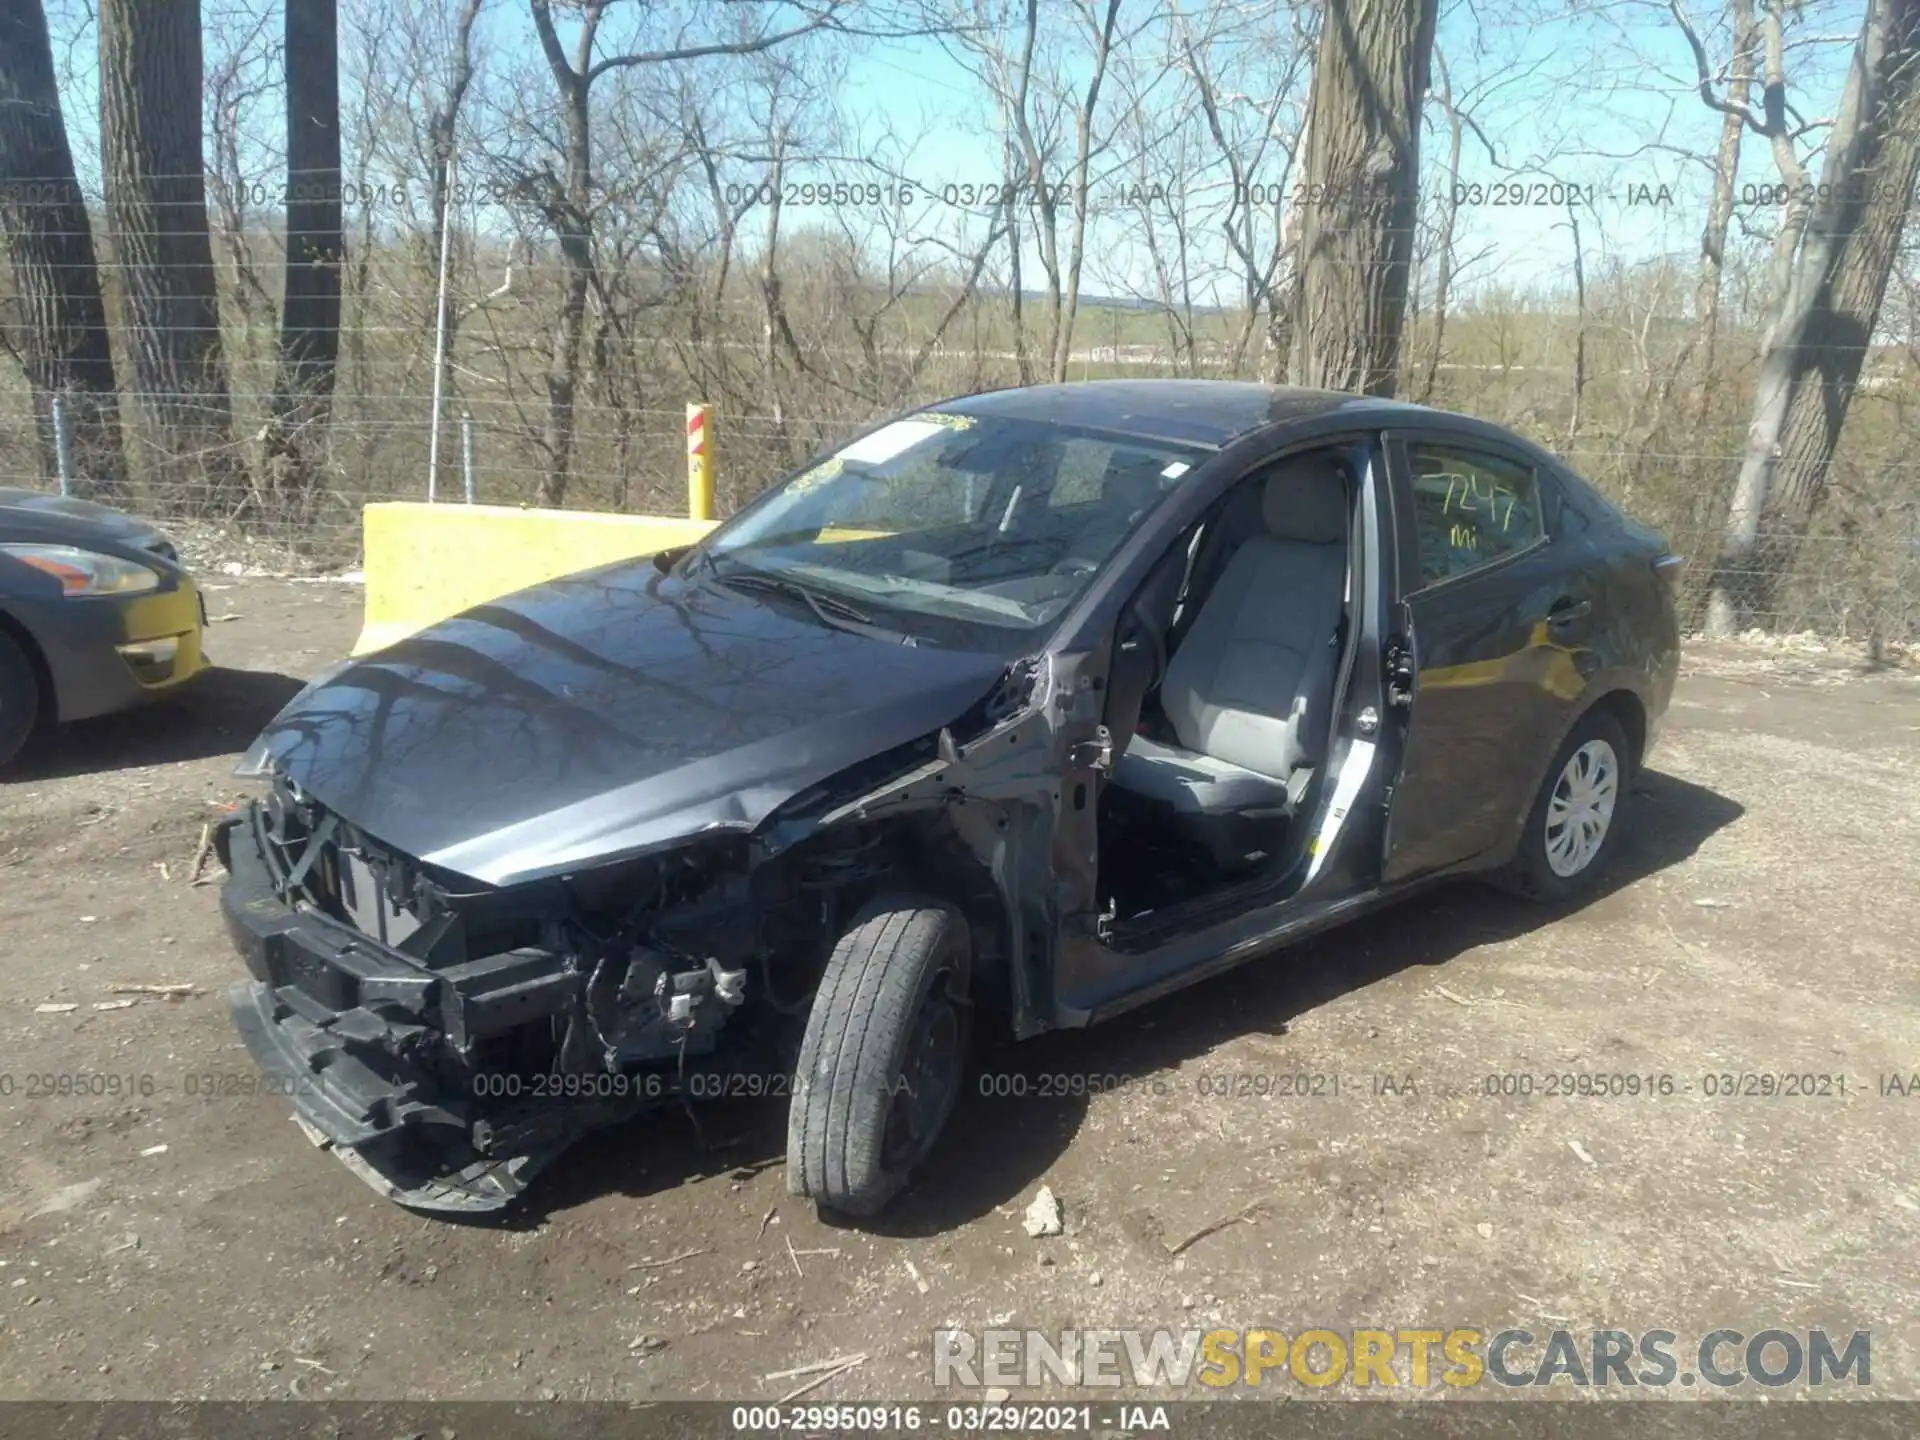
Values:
[(1602, 98), (1597, 94)]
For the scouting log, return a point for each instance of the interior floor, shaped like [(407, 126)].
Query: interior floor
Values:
[(1148, 865)]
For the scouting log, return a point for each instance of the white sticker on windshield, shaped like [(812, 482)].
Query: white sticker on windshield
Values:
[(891, 440), (1175, 470)]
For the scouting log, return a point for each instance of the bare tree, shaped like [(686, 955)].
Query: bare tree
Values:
[(1826, 313), (1580, 323), (1362, 193), (310, 311), (150, 87), (1443, 250), (1264, 103), (1049, 109), (50, 243), (1713, 236), (566, 200), (1099, 16), (240, 75)]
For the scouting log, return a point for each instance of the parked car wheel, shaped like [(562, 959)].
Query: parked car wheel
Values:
[(885, 1049), (1576, 816), (19, 697)]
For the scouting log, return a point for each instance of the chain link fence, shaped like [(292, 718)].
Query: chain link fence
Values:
[(1848, 580)]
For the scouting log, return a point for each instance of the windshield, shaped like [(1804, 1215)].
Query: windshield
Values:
[(987, 521)]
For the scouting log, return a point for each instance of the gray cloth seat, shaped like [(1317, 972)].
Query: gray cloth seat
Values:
[(1131, 486), (1249, 690), (1196, 784)]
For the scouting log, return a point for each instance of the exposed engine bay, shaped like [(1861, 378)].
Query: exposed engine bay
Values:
[(448, 1039), (506, 1022)]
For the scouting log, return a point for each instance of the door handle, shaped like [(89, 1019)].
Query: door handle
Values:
[(1565, 611)]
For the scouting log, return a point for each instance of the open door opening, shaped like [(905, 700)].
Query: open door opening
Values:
[(1231, 663)]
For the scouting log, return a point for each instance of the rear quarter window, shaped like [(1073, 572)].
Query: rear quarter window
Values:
[(1578, 496)]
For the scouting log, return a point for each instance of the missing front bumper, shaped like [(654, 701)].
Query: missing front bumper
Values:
[(364, 1118), (366, 1044)]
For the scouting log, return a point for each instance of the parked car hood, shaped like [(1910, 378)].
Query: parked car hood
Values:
[(603, 715), (58, 520)]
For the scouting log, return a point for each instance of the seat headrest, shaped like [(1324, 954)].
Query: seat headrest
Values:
[(1132, 481), (1306, 499)]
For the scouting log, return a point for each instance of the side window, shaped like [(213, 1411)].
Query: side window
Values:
[(1469, 508)]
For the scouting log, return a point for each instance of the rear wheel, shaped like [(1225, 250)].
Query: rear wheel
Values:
[(1576, 816), (884, 1053), (19, 697)]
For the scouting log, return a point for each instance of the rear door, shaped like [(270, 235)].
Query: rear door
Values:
[(1485, 651)]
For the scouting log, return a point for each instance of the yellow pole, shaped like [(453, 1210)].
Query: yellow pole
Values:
[(700, 462)]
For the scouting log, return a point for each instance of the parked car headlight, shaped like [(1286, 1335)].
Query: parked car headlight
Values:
[(86, 572), (253, 764)]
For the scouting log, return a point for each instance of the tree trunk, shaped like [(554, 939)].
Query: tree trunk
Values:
[(1713, 239), (64, 339), (1361, 195), (772, 303), (1580, 327), (443, 128), (568, 213), (569, 220), (1022, 358), (310, 309), (1443, 245), (1068, 304), (1825, 317), (150, 138)]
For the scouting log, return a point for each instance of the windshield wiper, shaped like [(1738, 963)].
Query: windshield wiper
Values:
[(823, 605), (830, 609)]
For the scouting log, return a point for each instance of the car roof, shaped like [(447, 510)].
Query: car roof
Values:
[(1210, 413)]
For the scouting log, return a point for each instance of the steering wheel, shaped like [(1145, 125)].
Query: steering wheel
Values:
[(1156, 640)]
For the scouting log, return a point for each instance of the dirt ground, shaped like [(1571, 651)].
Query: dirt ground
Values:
[(1758, 918)]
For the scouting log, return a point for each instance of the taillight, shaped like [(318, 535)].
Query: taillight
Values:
[(1668, 568)]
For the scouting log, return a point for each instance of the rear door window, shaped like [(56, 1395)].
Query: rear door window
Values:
[(1471, 508)]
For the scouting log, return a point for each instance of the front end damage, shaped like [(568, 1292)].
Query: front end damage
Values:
[(447, 1040)]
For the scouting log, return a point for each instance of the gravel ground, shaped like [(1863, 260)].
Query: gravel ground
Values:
[(1758, 920)]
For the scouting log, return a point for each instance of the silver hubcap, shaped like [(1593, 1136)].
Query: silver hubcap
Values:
[(1582, 808)]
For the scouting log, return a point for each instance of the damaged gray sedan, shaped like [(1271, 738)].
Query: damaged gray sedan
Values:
[(1033, 705)]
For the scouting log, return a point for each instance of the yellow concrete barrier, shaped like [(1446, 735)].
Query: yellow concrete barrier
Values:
[(427, 562)]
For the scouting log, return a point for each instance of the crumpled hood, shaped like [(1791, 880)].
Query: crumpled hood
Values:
[(602, 715)]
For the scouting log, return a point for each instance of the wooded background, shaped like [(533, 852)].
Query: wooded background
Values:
[(227, 219)]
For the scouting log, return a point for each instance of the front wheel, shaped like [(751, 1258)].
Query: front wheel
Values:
[(20, 699), (885, 1049), (1571, 828)]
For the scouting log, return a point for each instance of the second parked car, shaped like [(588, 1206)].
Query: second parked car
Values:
[(96, 613)]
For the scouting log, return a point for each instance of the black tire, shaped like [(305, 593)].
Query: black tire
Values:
[(884, 1054), (1531, 872), (19, 698)]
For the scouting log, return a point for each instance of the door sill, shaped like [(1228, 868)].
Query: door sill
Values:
[(1140, 934)]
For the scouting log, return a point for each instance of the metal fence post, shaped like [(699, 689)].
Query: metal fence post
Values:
[(440, 336), (466, 451), (62, 446)]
